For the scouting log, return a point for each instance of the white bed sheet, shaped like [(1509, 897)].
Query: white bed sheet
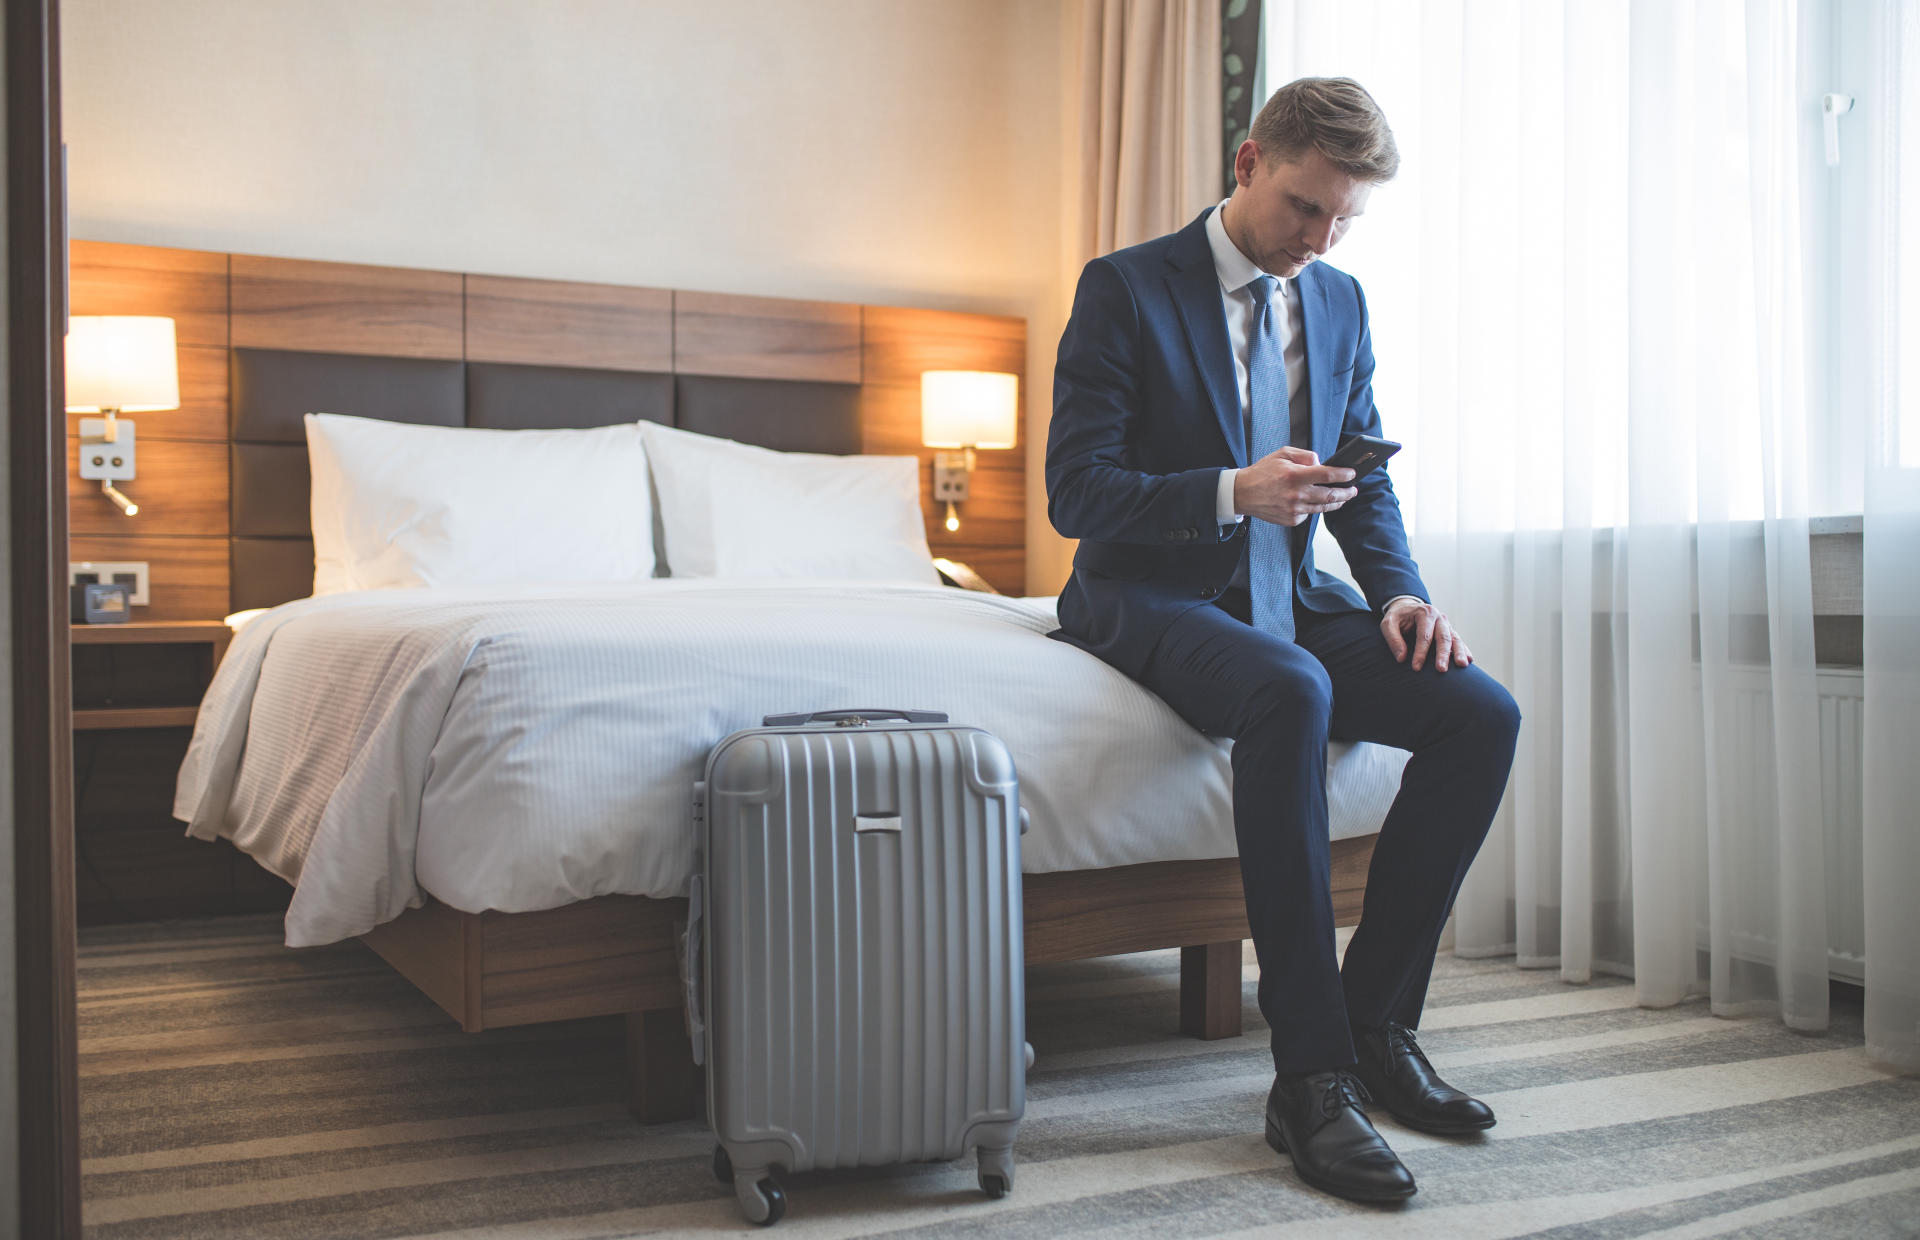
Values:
[(524, 752)]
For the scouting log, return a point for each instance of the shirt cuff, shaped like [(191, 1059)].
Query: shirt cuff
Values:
[(1396, 598), (1223, 499)]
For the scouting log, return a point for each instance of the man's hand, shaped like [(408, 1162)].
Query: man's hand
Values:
[(1430, 631), (1287, 486)]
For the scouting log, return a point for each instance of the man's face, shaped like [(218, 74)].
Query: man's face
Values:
[(1285, 215)]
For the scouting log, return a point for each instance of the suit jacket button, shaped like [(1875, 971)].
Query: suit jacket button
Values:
[(1208, 592)]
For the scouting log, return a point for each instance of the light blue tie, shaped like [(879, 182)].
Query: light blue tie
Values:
[(1269, 556)]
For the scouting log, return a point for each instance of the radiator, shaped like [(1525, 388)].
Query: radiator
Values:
[(1842, 701)]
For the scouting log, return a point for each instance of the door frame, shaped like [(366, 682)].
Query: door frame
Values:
[(48, 1140)]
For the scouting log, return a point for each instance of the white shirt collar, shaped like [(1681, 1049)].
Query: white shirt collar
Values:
[(1235, 269)]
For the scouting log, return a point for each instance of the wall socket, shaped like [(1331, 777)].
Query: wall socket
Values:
[(128, 572)]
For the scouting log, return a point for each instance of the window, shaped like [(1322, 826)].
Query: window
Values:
[(1616, 247)]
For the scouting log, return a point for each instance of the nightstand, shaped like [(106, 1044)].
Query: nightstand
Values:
[(159, 686), (136, 691)]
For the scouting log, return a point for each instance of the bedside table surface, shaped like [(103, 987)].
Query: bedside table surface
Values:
[(150, 631)]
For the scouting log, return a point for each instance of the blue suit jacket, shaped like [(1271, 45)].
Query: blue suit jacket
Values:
[(1146, 413)]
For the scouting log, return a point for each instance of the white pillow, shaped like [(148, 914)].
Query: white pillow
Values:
[(686, 469), (730, 509), (395, 505)]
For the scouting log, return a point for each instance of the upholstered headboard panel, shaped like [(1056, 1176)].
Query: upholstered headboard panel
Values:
[(774, 413), (272, 389), (518, 398)]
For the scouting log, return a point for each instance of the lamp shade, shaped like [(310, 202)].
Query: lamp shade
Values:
[(122, 362), (969, 409)]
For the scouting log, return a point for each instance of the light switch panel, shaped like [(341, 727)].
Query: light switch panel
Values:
[(108, 460), (949, 477)]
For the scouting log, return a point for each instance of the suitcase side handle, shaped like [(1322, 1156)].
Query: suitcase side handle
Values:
[(691, 970), (852, 718), (692, 959)]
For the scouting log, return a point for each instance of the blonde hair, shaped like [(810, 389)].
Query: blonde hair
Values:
[(1335, 116)]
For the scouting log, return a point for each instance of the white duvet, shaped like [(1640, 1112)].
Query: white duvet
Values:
[(525, 752)]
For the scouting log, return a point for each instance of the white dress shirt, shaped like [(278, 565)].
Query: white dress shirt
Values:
[(1237, 273)]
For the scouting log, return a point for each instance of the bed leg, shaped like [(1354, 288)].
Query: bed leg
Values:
[(662, 1082), (1210, 990)]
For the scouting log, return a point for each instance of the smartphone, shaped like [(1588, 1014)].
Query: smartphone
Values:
[(962, 575), (1362, 454)]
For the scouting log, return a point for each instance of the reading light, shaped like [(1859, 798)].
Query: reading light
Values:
[(962, 410), (117, 364)]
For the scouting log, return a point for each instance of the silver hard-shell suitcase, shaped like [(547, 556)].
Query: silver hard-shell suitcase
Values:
[(854, 948)]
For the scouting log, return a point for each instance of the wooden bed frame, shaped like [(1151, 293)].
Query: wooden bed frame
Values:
[(616, 955)]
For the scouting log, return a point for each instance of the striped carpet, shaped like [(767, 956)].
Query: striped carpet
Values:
[(233, 1088)]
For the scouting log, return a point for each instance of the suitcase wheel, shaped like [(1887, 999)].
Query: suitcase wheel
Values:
[(761, 1198), (762, 1201), (996, 1172)]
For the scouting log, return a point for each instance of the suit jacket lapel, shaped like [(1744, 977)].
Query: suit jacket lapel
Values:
[(1316, 322), (1196, 292)]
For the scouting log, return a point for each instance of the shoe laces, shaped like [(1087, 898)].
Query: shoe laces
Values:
[(1400, 1041), (1343, 1089)]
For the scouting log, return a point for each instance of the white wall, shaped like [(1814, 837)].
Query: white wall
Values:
[(898, 152)]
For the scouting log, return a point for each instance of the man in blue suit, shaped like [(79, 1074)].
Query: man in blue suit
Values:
[(1202, 378)]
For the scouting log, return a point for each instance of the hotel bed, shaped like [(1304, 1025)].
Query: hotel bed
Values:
[(523, 751)]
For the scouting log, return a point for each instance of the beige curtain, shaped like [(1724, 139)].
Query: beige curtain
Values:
[(1142, 124), (1149, 120)]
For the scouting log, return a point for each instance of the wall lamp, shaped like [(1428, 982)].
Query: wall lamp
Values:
[(117, 364), (961, 410)]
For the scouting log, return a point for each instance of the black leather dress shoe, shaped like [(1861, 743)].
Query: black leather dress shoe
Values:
[(1397, 1076), (1316, 1120)]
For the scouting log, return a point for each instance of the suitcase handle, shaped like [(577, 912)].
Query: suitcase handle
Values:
[(691, 966), (852, 718)]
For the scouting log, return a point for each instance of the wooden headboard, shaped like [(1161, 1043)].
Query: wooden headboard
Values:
[(227, 302)]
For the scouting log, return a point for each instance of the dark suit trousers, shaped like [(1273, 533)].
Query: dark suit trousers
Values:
[(1280, 702)]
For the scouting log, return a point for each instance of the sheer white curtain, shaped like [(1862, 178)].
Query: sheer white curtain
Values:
[(1891, 800), (1592, 321)]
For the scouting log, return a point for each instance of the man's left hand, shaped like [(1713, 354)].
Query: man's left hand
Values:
[(1427, 626)]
